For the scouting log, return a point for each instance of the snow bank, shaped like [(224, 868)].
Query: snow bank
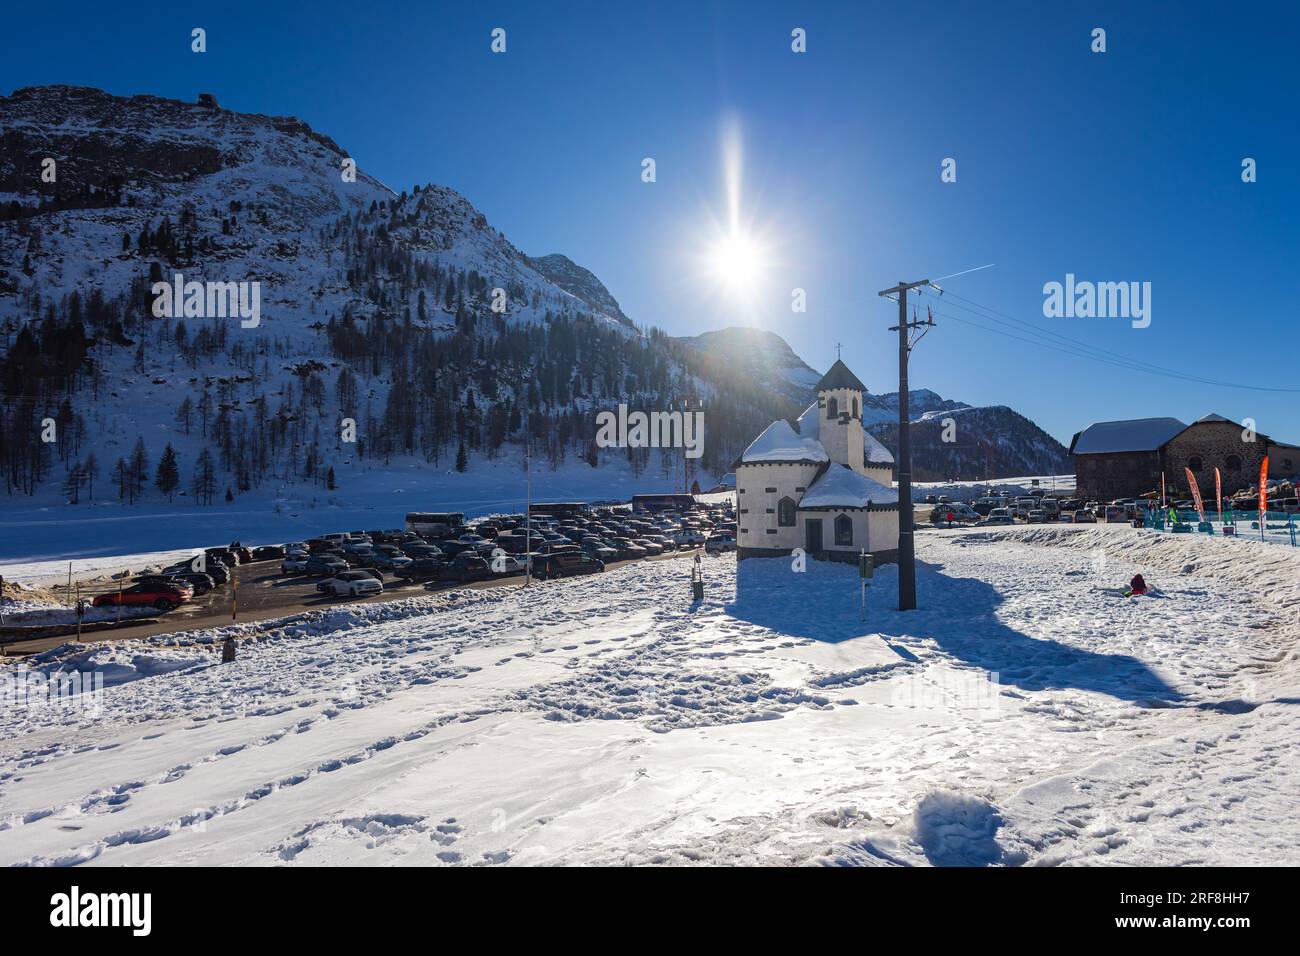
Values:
[(1259, 570)]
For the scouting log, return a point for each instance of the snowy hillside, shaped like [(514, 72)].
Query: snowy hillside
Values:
[(1025, 715), (405, 313), (761, 355)]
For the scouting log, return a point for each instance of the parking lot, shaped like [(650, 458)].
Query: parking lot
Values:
[(264, 593), (248, 585)]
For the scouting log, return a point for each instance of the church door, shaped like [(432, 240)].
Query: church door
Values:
[(812, 535)]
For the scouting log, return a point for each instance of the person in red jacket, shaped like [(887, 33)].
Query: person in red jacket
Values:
[(1137, 586)]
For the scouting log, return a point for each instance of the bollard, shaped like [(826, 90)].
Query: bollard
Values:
[(228, 650), (697, 580)]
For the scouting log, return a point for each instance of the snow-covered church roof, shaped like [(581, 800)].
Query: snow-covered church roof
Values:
[(809, 424), (780, 442), (842, 487)]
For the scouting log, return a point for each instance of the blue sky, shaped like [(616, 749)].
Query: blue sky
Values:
[(1121, 166)]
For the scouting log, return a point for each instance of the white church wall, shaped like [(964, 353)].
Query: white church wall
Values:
[(884, 531), (756, 515), (883, 475)]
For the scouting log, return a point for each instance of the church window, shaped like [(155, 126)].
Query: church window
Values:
[(1233, 463), (857, 411), (1195, 463), (843, 530), (832, 409), (785, 512)]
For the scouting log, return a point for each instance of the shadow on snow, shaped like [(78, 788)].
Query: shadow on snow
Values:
[(957, 614)]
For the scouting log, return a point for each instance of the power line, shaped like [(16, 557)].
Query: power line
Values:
[(1073, 347)]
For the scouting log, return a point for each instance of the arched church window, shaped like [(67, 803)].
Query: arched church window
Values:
[(1233, 463), (843, 530), (1195, 463), (832, 409), (857, 411), (785, 512)]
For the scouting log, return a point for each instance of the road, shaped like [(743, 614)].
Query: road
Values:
[(264, 593)]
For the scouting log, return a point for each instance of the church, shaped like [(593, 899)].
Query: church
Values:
[(824, 484)]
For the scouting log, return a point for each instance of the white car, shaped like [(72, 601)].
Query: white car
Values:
[(688, 539), (295, 563), (719, 543), (502, 563), (351, 584)]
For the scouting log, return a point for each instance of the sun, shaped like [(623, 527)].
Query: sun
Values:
[(736, 260)]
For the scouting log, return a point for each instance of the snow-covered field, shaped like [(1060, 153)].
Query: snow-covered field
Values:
[(1026, 714)]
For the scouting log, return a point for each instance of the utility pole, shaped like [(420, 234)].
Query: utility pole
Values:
[(906, 546), (528, 514)]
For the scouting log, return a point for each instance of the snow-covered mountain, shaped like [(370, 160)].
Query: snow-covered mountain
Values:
[(993, 441), (405, 312), (760, 355)]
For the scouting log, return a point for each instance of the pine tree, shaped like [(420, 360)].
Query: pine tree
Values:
[(91, 468), (183, 413), (329, 479), (139, 465), (203, 482), (462, 458), (168, 476)]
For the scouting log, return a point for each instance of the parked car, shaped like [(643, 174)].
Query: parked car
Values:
[(718, 543), (294, 564), (688, 538), (627, 551), (563, 564), (326, 564), (1116, 513), (388, 558), (163, 596), (504, 564), (351, 584), (1084, 516), (200, 583), (466, 566), (599, 550), (648, 546), (994, 519), (268, 552), (1036, 516), (421, 569)]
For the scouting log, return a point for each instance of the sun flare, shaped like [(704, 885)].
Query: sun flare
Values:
[(736, 260)]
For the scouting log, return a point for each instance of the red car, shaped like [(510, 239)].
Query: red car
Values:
[(162, 596)]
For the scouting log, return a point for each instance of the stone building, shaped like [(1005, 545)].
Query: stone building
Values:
[(823, 484), (1125, 459)]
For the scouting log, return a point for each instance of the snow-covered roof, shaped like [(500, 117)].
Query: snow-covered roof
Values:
[(810, 422), (842, 487), (874, 453), (1136, 434), (780, 442)]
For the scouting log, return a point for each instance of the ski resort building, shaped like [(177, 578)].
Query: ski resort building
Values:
[(822, 484), (1126, 458)]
